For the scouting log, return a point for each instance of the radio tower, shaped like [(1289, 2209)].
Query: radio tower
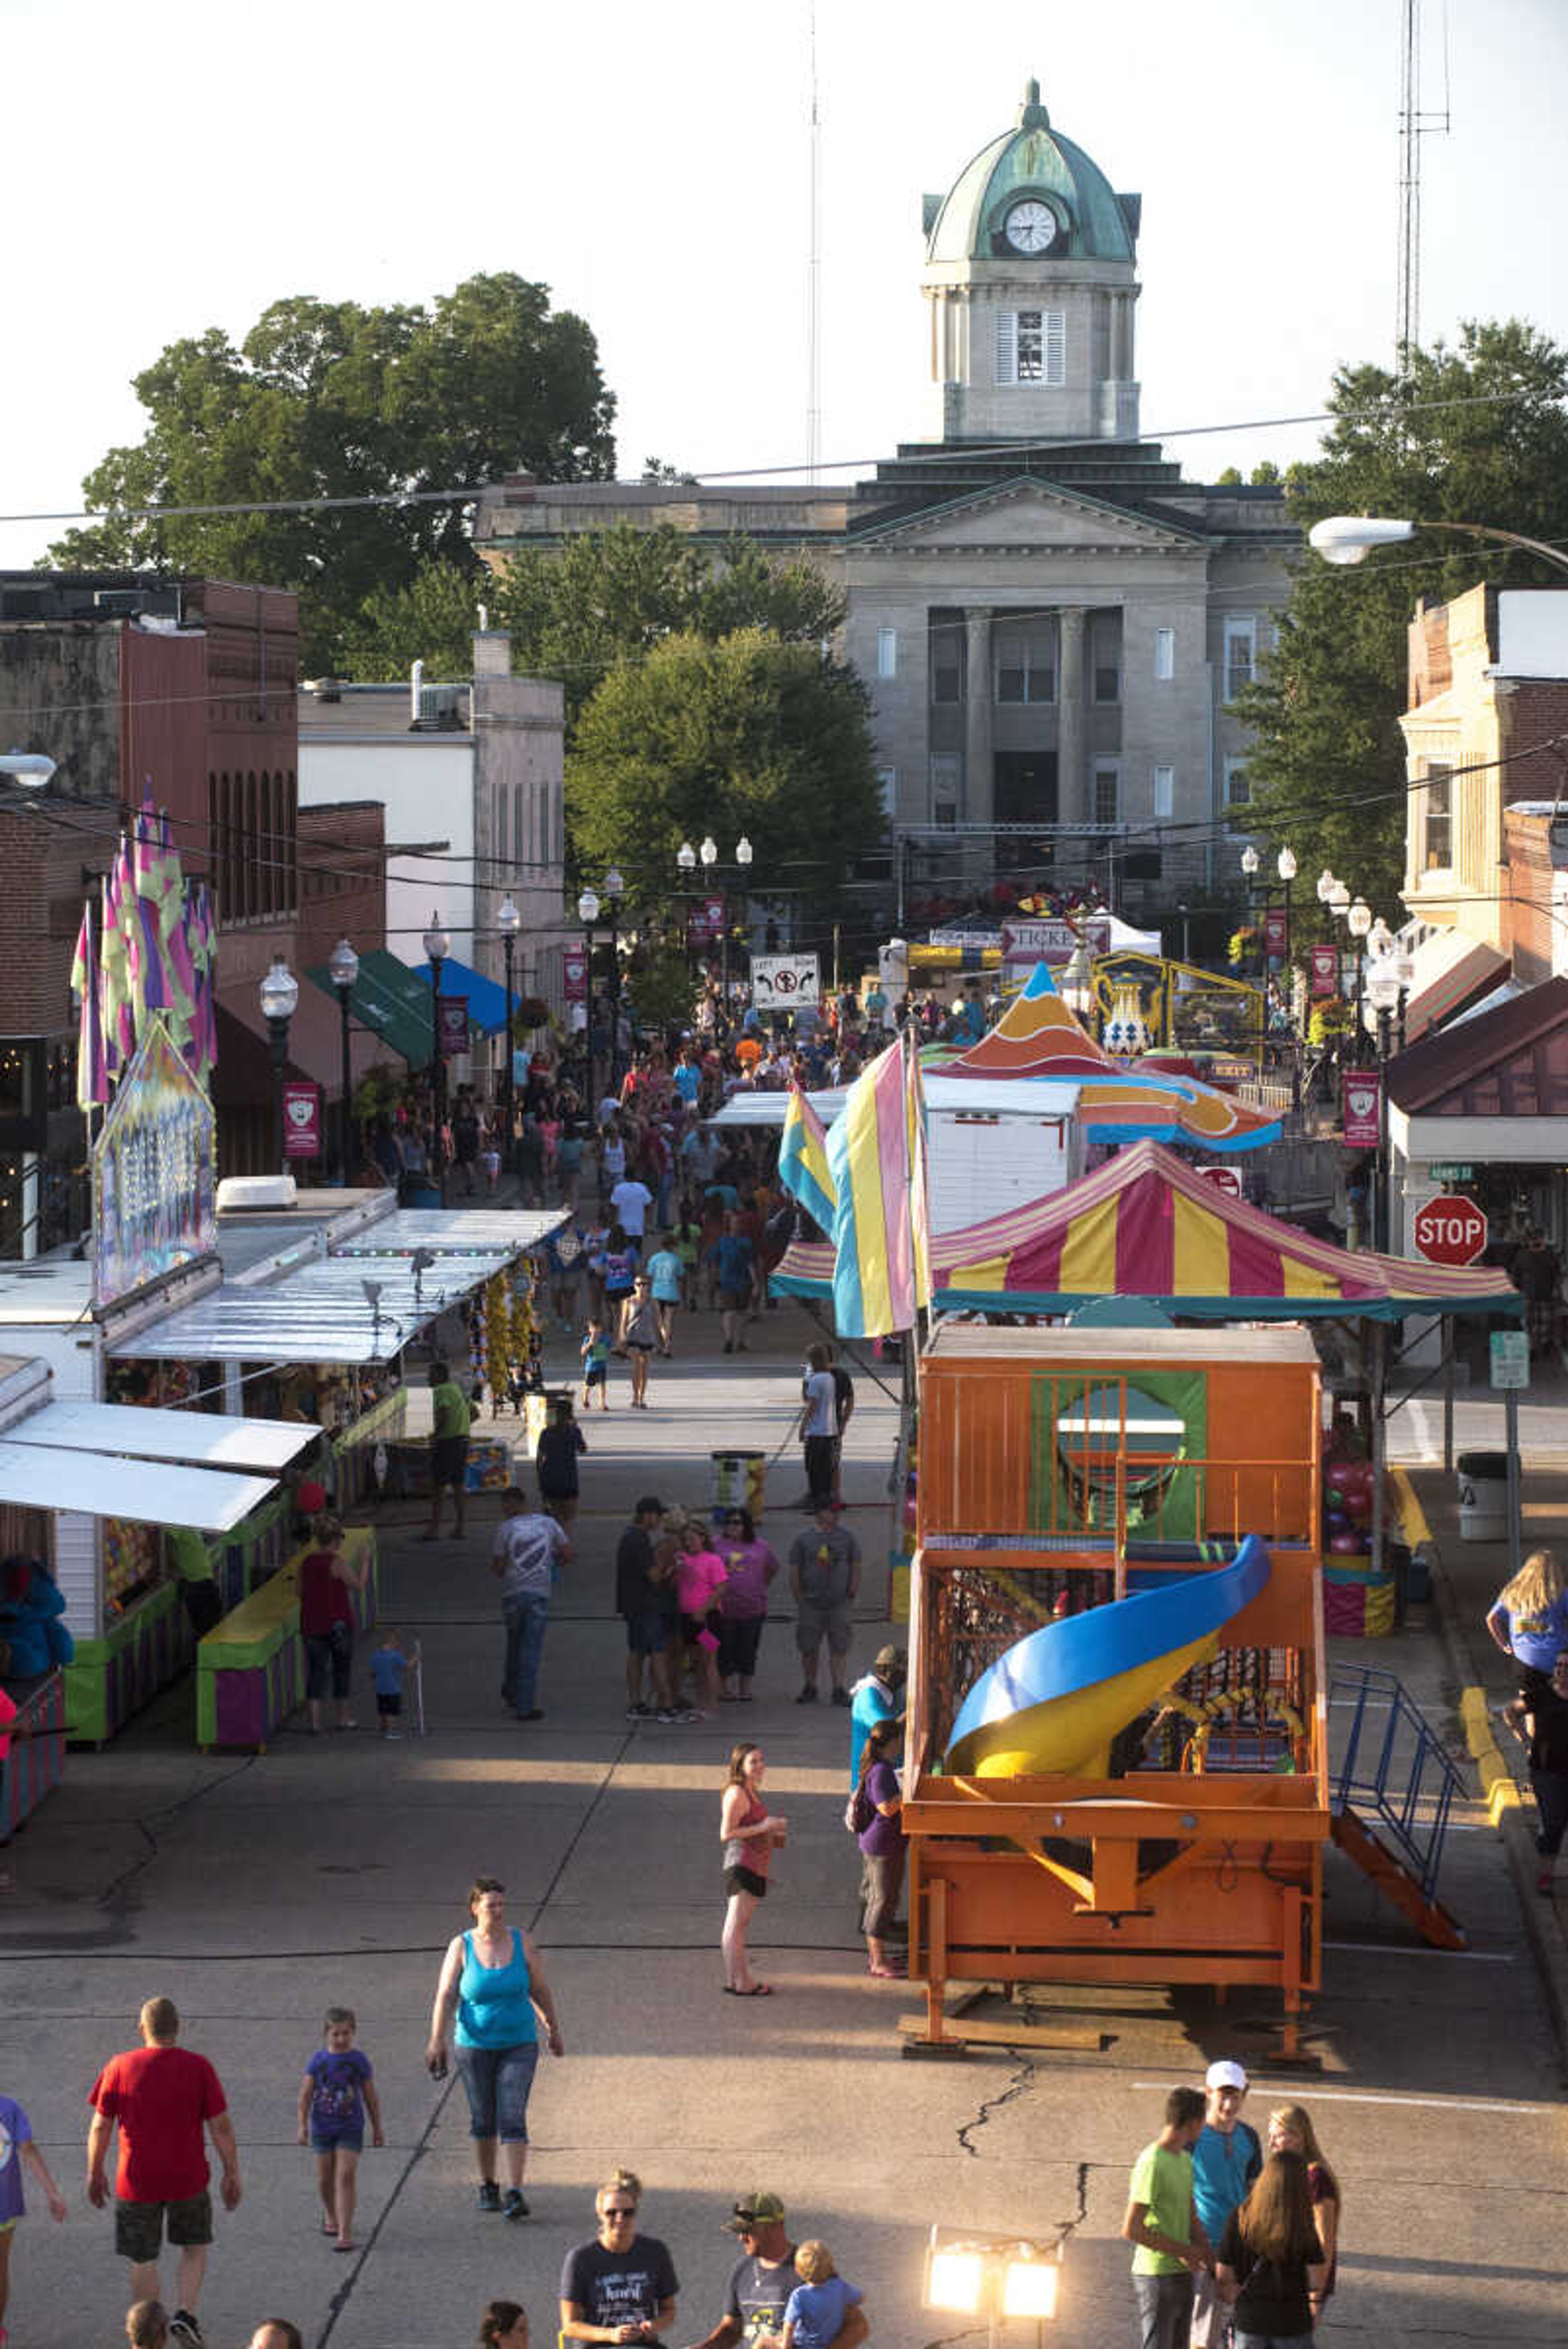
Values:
[(1413, 125), (814, 279)]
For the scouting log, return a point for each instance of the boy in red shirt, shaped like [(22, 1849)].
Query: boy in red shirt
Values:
[(162, 2097)]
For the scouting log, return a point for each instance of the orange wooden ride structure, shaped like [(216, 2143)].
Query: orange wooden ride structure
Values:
[(1117, 1769)]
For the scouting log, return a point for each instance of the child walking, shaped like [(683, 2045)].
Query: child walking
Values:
[(17, 2147), (335, 2095), (596, 1365), (817, 2308), (387, 1666)]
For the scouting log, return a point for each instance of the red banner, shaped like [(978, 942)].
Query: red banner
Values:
[(1276, 933), (301, 1120), (452, 1026), (1326, 971), (575, 974), (1362, 1108)]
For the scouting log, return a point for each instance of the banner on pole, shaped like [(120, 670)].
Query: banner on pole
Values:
[(1362, 1108), (301, 1119), (1324, 970), (575, 974), (452, 1026), (1276, 933)]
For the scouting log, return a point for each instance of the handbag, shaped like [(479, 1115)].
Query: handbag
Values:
[(858, 1811)]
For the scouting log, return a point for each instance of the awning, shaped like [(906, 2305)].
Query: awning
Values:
[(243, 1074), (486, 1001), (199, 1438), (1450, 971), (389, 1001), (320, 1313), (458, 1231), (45, 1476)]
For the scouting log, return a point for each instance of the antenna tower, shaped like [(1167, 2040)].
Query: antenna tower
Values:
[(813, 278), (1415, 124)]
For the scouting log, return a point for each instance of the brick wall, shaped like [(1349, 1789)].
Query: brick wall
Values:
[(342, 878), (43, 849), (1536, 876)]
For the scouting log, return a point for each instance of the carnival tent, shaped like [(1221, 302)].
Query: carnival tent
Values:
[(1147, 1225), (1039, 1036)]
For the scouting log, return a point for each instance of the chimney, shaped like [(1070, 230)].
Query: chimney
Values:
[(493, 652)]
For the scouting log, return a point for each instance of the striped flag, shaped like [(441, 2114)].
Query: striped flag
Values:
[(119, 1018), (803, 1159), (881, 1276), (92, 1069)]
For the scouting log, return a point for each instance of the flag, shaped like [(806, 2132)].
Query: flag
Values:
[(919, 1194), (115, 996), (92, 1069), (872, 1153), (147, 908), (803, 1159)]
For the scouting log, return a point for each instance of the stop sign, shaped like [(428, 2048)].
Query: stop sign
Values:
[(1449, 1230)]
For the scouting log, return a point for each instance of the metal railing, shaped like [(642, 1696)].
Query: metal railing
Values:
[(1394, 1768)]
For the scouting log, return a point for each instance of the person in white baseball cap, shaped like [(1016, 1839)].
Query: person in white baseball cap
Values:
[(1226, 2158)]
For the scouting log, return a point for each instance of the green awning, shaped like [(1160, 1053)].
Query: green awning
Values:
[(389, 1001)]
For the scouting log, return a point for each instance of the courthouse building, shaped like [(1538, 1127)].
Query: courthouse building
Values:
[(1050, 620)]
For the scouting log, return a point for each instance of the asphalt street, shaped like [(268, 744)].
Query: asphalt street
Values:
[(256, 1889)]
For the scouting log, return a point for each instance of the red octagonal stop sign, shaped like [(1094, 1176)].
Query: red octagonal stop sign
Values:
[(1449, 1230)]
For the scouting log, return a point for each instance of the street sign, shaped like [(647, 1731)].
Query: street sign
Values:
[(1224, 1178), (782, 982), (1450, 1229), (301, 1120), (1362, 1109), (1510, 1358), (1452, 1174)]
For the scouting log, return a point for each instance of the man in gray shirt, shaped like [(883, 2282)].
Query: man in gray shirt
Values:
[(824, 1576)]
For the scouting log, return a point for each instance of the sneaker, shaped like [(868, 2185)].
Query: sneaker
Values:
[(841, 1696), (535, 1712), (184, 2327), (489, 2195), (514, 2206), (806, 1696), (669, 1713), (640, 1712)]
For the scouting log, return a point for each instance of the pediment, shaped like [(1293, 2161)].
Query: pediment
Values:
[(1028, 514)]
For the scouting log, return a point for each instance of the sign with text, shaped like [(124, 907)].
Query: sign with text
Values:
[(154, 1181), (1510, 1358), (301, 1119), (1051, 941), (1362, 1108), (1276, 933), (1449, 1229), (452, 1026), (575, 974), (781, 982), (1324, 970), (1224, 1178)]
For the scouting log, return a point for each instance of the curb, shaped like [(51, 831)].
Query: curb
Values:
[(1505, 1807)]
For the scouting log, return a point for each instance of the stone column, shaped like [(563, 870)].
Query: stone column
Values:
[(1072, 789), (978, 796)]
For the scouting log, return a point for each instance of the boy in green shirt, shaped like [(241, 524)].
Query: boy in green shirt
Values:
[(448, 1447), (1171, 2246)]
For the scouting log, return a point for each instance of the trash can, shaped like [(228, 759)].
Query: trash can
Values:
[(740, 1482), (1483, 1496)]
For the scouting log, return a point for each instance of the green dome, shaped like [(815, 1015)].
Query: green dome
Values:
[(1032, 160)]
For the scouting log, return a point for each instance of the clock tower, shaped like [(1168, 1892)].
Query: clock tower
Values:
[(1031, 278)]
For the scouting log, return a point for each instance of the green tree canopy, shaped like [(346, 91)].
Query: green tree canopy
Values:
[(433, 619), (610, 595), (325, 399), (744, 736), (1476, 433)]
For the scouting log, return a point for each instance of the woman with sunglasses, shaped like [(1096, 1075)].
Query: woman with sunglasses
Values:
[(622, 2285), (749, 1566)]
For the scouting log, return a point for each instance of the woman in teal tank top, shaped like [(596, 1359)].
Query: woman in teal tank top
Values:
[(492, 1985)]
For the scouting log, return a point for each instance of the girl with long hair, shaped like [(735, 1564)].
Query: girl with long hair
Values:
[(504, 2325), (1268, 2264), (749, 1832), (882, 1842), (1291, 2131), (1529, 1621)]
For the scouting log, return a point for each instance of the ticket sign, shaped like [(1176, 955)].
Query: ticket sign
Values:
[(301, 1119)]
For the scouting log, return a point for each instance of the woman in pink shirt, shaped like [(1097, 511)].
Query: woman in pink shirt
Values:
[(700, 1576)]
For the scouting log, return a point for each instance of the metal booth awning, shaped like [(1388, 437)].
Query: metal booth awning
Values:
[(162, 1467), (202, 1439), (464, 1231), (322, 1313)]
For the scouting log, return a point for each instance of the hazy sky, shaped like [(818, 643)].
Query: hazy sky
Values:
[(173, 166)]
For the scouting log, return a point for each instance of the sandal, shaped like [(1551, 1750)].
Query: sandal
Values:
[(758, 1990), (885, 1973)]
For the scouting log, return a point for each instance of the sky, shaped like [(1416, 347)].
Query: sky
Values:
[(180, 167)]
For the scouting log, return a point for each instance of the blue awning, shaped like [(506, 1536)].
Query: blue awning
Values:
[(486, 1001)]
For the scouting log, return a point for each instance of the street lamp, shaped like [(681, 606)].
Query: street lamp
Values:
[(1382, 984), (1350, 538), (437, 946), (343, 968), (508, 921), (588, 906), (1358, 922), (30, 769), (279, 994), (994, 2279), (1285, 866)]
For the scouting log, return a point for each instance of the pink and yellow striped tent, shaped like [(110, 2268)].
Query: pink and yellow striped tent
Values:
[(1146, 1226)]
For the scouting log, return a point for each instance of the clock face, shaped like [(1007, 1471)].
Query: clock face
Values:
[(1030, 226)]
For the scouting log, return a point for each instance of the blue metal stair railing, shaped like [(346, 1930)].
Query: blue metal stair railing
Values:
[(1394, 1768)]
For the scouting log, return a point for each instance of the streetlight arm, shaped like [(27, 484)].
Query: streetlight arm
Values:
[(1350, 538)]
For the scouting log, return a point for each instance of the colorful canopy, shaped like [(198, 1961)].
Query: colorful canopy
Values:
[(1038, 1035), (1147, 1225)]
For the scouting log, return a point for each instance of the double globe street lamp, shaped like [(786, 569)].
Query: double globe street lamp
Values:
[(688, 858)]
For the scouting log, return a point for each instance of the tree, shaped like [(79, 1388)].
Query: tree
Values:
[(432, 619), (610, 595), (325, 399), (1476, 433), (745, 736)]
